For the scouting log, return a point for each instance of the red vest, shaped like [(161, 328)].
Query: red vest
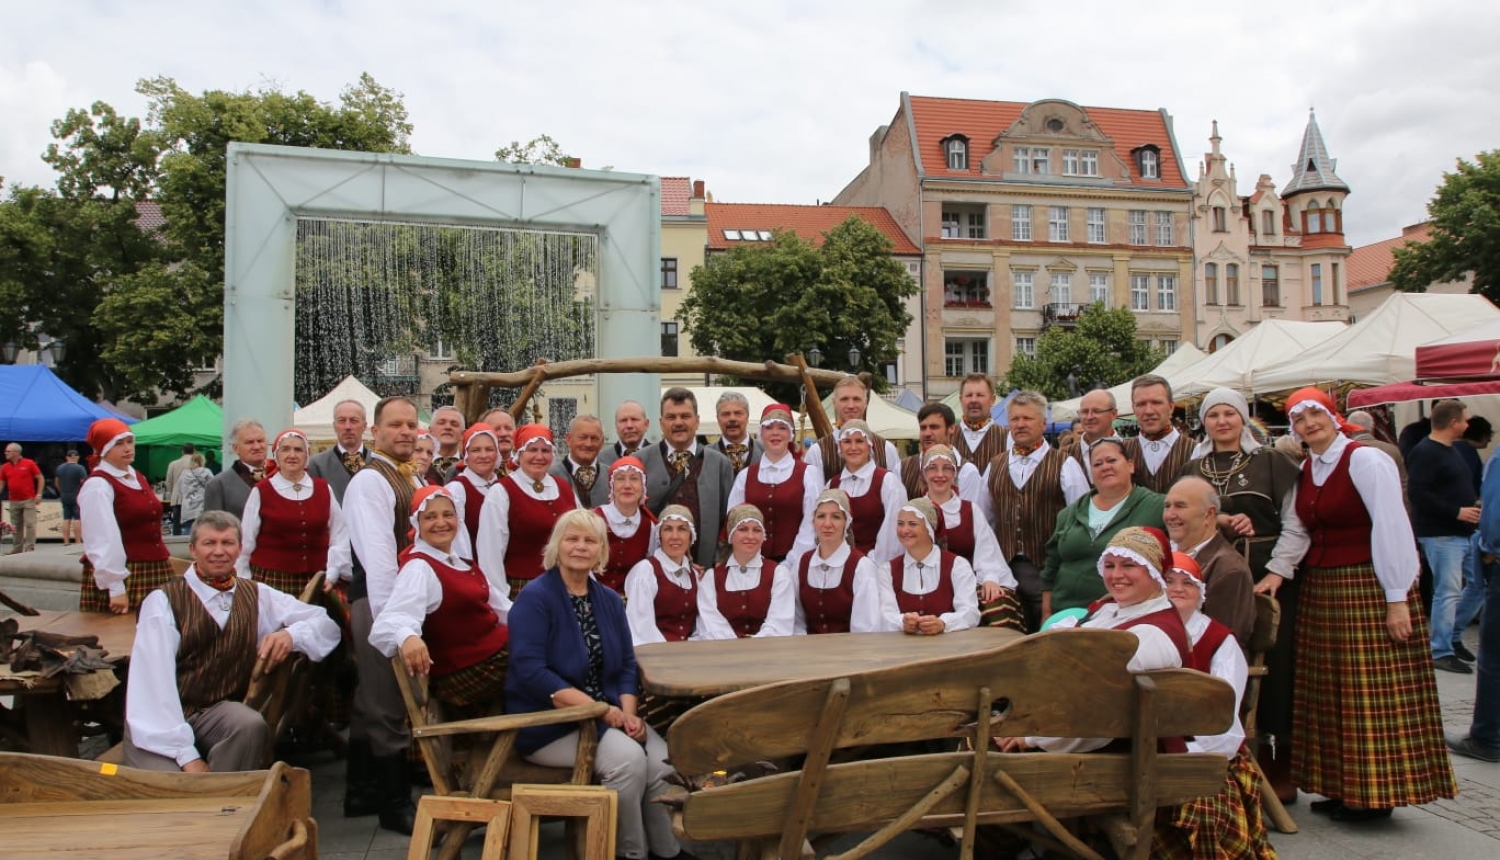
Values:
[(1338, 523), (959, 539), (781, 505), (827, 610), (463, 630), (138, 514), (745, 610), (293, 536), (1206, 647), (473, 504), (868, 511), (1168, 621), (676, 607), (531, 522), (934, 602), (625, 552)]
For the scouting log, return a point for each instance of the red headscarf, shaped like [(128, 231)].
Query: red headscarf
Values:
[(1317, 398), (529, 433), (102, 436)]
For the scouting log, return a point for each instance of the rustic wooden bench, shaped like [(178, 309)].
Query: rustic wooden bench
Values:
[(65, 808), (1066, 683)]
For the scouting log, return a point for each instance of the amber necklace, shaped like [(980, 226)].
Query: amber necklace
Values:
[(1220, 479)]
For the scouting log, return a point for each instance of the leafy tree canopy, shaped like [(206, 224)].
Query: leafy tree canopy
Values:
[(760, 301), (1465, 216), (541, 149), (1102, 350)]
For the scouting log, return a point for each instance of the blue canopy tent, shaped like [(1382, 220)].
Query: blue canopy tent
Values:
[(36, 406)]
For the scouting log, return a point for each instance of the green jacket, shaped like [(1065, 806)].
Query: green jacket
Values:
[(1072, 569)]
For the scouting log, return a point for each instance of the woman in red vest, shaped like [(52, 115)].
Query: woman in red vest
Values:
[(518, 517), (781, 485), (838, 589), (423, 454), (748, 595), (293, 526), (1364, 705), (934, 589), (124, 558), (444, 616), (471, 486), (966, 534), (874, 494), (661, 591), (631, 527)]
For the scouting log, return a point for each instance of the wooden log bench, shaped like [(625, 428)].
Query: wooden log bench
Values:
[(1066, 683), (64, 808)]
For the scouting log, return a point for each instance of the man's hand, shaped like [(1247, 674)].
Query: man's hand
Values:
[(274, 647), (1469, 515), (1269, 585), (119, 604), (197, 765), (1238, 523), (1398, 621), (989, 592), (414, 654), (1010, 745)]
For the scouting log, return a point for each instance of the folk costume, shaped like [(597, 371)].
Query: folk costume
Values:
[(632, 537), (784, 490), (940, 583), (981, 444), (841, 591), (337, 466), (293, 530), (469, 490), (517, 518), (743, 600), (964, 531), (661, 593), (123, 552), (1158, 462), (875, 495)]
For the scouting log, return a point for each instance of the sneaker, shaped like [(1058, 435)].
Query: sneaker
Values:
[(1463, 653), (1470, 748), (1451, 663)]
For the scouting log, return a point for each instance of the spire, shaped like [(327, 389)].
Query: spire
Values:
[(1215, 139), (1314, 170)]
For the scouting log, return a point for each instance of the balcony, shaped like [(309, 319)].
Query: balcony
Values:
[(1064, 314)]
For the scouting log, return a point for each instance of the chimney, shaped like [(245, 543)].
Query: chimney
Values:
[(695, 203), (573, 162)]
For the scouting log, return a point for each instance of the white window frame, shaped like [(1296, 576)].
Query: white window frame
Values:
[(1061, 288), (1070, 162), (1139, 227), (1096, 225), (1140, 293), (1023, 290), (958, 154), (1099, 287), (1057, 223), (1088, 162), (1021, 159), (1150, 164), (974, 226), (441, 351), (1166, 292), (1026, 346), (1168, 345), (1041, 160), (1020, 222), (1164, 228)]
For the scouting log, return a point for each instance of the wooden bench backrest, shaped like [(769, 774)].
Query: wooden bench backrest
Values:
[(1064, 683)]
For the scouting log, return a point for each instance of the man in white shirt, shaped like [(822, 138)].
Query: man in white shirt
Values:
[(979, 438), (339, 463), (447, 428), (196, 645), (1097, 412), (1161, 451), (851, 400), (936, 425)]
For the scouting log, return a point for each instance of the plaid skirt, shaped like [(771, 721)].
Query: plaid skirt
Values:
[(516, 585), (1365, 710), (286, 583), (480, 684), (1004, 611), (1230, 825), (145, 577)]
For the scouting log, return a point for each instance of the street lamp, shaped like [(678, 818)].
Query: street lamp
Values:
[(59, 349), (854, 358), (9, 351), (814, 355)]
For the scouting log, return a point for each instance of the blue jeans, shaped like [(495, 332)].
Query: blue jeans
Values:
[(1448, 556), (1486, 726), (1472, 597)]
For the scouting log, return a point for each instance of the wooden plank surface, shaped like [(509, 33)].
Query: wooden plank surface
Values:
[(715, 667), (171, 831)]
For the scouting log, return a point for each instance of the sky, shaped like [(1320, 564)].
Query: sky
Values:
[(774, 101)]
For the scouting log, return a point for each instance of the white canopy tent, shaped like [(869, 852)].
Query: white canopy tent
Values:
[(885, 418), (1381, 348), (708, 399), (1184, 357), (1265, 344), (316, 418)]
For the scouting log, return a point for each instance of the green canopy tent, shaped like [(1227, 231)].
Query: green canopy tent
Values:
[(159, 440)]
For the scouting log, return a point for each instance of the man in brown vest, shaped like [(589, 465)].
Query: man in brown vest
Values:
[(851, 400), (196, 644), (979, 439), (1028, 485), (1097, 412), (377, 505), (935, 426), (1161, 450)]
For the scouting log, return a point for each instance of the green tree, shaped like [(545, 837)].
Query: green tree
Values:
[(1101, 350), (760, 301), (541, 149), (1465, 216)]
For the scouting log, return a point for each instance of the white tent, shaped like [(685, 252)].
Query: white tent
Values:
[(1265, 344), (708, 399), (1381, 348), (316, 418), (885, 418), (1182, 358)]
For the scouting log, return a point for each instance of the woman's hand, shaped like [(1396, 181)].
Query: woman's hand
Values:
[(1269, 584), (1398, 621), (635, 727), (1009, 745), (119, 604), (909, 622), (615, 718), (989, 592), (1240, 524), (930, 625), (414, 654)]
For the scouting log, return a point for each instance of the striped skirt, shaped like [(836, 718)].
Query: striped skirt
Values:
[(480, 684), (1365, 710), (1004, 611), (145, 577), (1228, 826), (286, 583)]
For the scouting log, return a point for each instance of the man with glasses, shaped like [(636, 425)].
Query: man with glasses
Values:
[(1096, 420)]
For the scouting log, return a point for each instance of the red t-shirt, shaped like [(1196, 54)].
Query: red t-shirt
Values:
[(20, 479)]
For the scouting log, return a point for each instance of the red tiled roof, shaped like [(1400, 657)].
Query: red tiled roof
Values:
[(983, 121), (809, 222), (675, 193), (1371, 265)]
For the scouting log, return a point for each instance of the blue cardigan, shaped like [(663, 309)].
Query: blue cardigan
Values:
[(547, 653)]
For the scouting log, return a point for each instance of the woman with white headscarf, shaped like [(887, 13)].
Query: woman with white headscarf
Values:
[(661, 591), (746, 596), (963, 531), (838, 588), (874, 493), (935, 590)]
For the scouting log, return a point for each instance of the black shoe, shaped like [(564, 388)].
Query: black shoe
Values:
[(1463, 653), (401, 817), (1451, 663), (680, 855), (1356, 815), (397, 812), (1326, 807), (361, 792), (1470, 748)]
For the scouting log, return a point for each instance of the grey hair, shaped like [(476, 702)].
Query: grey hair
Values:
[(1210, 496), (1361, 417), (15, 445), (732, 397), (348, 401), (585, 417), (218, 521), (451, 408), (242, 425), (1029, 398), (1146, 380)]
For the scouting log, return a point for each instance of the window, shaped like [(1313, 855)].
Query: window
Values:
[(1140, 292), (1311, 222), (441, 350), (1232, 284), (963, 222), (962, 356), (1032, 159), (952, 226), (1096, 225), (1270, 288), (1040, 160), (1166, 292), (1317, 283), (1268, 222), (1138, 227), (1021, 160), (669, 339), (892, 369), (560, 414), (1333, 284), (1099, 287), (731, 235), (1026, 346), (914, 268), (1021, 289), (958, 154), (1057, 223), (1221, 219), (1070, 162), (1088, 163), (1168, 346), (975, 225), (1062, 289), (1020, 223), (1149, 163), (1211, 283), (966, 289), (1164, 228), (669, 273)]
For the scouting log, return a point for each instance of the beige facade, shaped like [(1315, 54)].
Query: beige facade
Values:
[(684, 236)]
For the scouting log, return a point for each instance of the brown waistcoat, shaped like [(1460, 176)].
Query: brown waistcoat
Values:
[(994, 443), (1180, 455), (1025, 518), (911, 477), (213, 665)]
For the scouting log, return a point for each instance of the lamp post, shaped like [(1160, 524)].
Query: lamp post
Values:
[(815, 357), (9, 351), (59, 350), (854, 357)]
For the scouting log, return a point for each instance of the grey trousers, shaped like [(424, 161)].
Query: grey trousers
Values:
[(229, 736), (23, 524), (378, 713), (638, 773)]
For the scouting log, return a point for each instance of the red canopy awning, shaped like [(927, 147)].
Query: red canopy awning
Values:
[(1401, 392), (1473, 353)]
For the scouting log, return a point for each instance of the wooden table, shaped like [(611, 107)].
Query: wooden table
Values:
[(715, 667), (48, 726)]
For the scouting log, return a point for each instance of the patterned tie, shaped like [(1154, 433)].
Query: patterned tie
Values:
[(504, 468), (258, 474), (354, 461), (680, 461), (443, 464), (1024, 451), (737, 455), (405, 468), (628, 450), (976, 426), (585, 476)]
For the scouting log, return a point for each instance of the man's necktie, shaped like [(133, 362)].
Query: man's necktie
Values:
[(258, 474), (443, 464), (737, 454), (1024, 452), (354, 461), (585, 476), (680, 461)]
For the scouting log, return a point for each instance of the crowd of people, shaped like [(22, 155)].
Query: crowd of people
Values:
[(507, 572)]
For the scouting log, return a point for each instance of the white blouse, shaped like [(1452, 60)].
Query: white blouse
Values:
[(874, 601), (892, 495), (417, 594), (920, 576), (779, 616), (339, 564), (101, 531), (640, 595), (989, 561), (463, 544), (494, 522), (1228, 664), (778, 472)]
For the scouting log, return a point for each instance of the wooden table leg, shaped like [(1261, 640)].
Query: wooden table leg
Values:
[(49, 725)]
